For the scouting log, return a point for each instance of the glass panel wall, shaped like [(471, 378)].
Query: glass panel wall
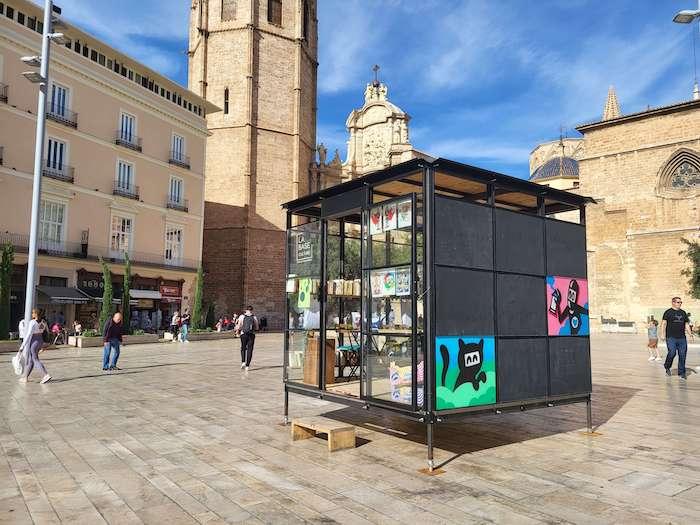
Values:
[(303, 303), (389, 274)]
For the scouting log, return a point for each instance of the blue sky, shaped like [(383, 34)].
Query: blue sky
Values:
[(483, 80)]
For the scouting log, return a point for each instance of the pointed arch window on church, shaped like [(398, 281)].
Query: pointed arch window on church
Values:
[(686, 175), (226, 101), (274, 12), (680, 176), (228, 10)]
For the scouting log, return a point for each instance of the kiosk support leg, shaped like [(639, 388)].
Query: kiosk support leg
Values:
[(589, 416), (286, 407), (430, 429)]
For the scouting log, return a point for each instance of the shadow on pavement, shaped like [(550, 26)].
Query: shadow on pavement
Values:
[(131, 370), (485, 431)]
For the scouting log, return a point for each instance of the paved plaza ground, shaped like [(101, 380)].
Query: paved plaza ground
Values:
[(181, 435)]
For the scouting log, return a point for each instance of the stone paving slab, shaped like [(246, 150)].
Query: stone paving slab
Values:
[(182, 435)]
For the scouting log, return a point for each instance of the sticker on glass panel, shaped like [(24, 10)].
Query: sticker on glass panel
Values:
[(465, 371)]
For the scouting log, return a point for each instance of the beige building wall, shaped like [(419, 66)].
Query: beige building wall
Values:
[(636, 227), (99, 96)]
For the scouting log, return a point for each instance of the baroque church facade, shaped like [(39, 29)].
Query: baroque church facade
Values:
[(643, 170)]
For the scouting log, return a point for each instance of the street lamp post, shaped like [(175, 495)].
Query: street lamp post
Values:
[(688, 16), (43, 80)]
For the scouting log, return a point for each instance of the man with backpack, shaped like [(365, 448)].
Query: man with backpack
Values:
[(246, 326)]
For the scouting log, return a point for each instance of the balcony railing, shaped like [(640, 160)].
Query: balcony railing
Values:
[(65, 173), (76, 250), (128, 140), (130, 192), (3, 92), (179, 159), (62, 115), (181, 205)]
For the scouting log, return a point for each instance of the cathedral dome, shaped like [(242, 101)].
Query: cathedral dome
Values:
[(556, 167)]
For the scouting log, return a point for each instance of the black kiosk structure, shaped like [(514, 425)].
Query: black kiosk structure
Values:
[(438, 290)]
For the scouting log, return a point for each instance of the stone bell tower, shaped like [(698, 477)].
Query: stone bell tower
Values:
[(257, 61)]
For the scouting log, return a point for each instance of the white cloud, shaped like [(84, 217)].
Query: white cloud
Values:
[(135, 27), (473, 148)]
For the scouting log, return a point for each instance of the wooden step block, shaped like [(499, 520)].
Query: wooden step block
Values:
[(340, 435)]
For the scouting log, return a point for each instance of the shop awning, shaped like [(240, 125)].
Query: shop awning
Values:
[(63, 295), (96, 295), (145, 294)]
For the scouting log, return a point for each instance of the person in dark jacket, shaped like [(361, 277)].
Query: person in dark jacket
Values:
[(112, 337)]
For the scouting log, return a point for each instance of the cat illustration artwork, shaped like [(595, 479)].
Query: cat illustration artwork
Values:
[(465, 371), (469, 360)]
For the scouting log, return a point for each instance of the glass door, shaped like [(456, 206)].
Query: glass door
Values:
[(391, 328), (303, 289)]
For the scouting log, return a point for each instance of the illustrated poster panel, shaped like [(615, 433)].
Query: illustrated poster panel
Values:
[(567, 306), (403, 281), (404, 214), (304, 299), (390, 219), (377, 282), (375, 221), (465, 371), (389, 282)]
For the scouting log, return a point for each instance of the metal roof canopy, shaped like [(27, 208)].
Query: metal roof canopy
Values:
[(63, 295), (310, 204)]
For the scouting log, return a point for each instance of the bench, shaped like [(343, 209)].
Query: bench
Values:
[(340, 435)]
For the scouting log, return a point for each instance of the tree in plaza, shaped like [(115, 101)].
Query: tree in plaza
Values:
[(8, 254), (692, 253), (196, 319), (107, 294), (126, 307)]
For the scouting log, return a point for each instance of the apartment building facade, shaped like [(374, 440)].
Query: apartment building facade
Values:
[(122, 172)]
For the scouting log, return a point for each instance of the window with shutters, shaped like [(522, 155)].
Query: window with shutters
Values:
[(173, 244), (228, 10), (52, 226), (121, 235), (226, 101), (274, 12)]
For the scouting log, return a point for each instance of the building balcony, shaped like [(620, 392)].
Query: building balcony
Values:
[(178, 159), (62, 116), (3, 92), (65, 173), (181, 205), (130, 192), (76, 250), (128, 140)]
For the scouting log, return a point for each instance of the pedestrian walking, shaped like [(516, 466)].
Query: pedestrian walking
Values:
[(675, 326), (175, 325), (112, 337), (185, 325), (246, 326), (653, 336), (31, 346)]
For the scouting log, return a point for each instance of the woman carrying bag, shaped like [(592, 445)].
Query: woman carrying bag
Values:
[(30, 347)]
